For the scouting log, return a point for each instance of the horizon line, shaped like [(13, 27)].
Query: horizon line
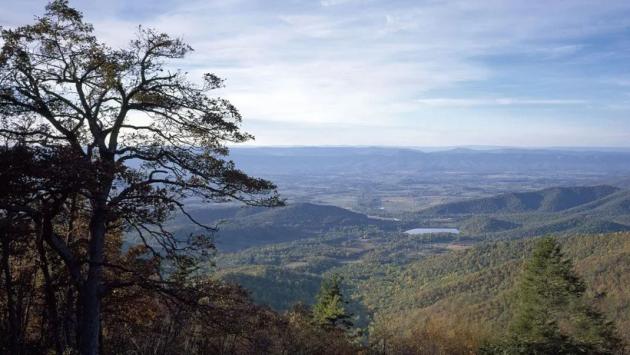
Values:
[(435, 147)]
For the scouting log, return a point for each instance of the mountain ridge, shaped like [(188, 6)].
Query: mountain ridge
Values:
[(554, 199)]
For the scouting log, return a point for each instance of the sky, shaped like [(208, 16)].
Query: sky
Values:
[(398, 73)]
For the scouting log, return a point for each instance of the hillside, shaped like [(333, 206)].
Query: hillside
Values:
[(280, 287), (548, 200), (485, 224), (297, 244), (240, 228), (309, 216), (558, 210), (617, 203), (474, 285), (570, 225), (401, 281), (562, 210)]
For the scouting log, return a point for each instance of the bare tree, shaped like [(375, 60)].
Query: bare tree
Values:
[(143, 139)]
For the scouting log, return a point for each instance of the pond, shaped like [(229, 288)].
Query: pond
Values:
[(417, 231)]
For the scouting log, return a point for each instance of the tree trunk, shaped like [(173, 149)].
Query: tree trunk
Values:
[(51, 299), (90, 290), (14, 324), (72, 306)]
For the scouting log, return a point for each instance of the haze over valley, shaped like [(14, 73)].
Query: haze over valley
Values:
[(350, 210)]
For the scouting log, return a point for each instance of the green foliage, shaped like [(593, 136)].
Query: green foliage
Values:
[(547, 200), (475, 287), (485, 224), (404, 282), (551, 315), (275, 287), (307, 337), (561, 210), (329, 309), (242, 228)]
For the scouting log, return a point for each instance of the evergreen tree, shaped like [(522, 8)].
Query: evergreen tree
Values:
[(329, 309), (551, 315)]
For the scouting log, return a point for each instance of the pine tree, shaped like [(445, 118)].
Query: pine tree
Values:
[(329, 309), (551, 315)]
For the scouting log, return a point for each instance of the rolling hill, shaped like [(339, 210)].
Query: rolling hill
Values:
[(548, 200), (485, 224), (558, 210), (240, 228), (614, 204)]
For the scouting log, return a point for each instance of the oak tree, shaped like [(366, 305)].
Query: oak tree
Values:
[(142, 139)]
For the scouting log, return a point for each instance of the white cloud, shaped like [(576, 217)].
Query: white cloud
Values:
[(365, 63), (327, 3)]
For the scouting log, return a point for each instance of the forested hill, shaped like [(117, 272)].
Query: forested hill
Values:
[(548, 200), (291, 247), (306, 215), (309, 216), (561, 210), (241, 228), (558, 210), (485, 224), (405, 282), (474, 286), (614, 204)]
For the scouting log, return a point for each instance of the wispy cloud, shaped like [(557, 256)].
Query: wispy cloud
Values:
[(366, 62), (503, 101), (327, 3)]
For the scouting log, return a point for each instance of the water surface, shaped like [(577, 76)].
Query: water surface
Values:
[(417, 231)]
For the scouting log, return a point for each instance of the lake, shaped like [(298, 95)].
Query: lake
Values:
[(417, 231)]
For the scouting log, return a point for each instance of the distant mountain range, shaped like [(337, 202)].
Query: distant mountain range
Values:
[(339, 160)]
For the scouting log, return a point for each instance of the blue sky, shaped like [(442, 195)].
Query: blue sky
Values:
[(401, 73)]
